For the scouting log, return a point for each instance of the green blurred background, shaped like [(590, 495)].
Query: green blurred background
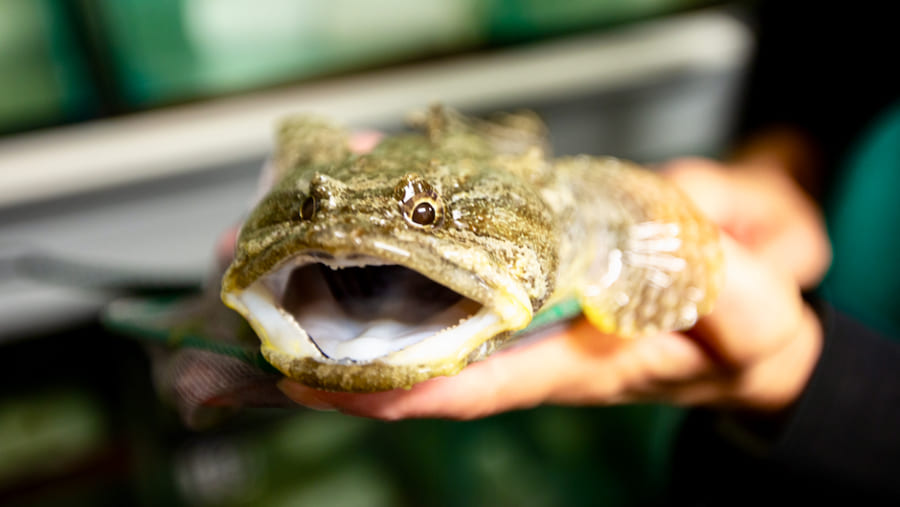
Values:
[(70, 60), (87, 428)]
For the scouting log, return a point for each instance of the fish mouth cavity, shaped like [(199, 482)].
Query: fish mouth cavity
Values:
[(358, 308)]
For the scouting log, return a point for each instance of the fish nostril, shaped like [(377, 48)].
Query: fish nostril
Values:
[(308, 208)]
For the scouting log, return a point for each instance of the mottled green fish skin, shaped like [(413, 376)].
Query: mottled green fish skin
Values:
[(628, 246), (482, 208)]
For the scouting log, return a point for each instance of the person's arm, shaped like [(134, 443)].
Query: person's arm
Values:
[(846, 426), (839, 441), (840, 437)]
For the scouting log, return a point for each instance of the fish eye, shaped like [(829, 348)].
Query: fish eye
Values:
[(423, 214), (308, 208), (424, 211), (419, 201)]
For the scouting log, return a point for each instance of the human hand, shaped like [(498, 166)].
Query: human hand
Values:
[(762, 208), (756, 351)]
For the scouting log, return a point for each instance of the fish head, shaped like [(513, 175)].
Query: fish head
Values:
[(378, 271)]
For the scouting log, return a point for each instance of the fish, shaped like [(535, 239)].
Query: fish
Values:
[(377, 271)]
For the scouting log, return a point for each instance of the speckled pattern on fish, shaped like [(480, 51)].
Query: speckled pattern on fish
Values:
[(377, 271)]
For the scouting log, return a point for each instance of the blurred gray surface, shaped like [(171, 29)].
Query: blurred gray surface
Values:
[(686, 113), (165, 229), (161, 229), (168, 228)]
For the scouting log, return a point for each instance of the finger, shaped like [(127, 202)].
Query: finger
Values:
[(513, 379), (521, 377), (767, 385), (652, 368), (801, 246), (578, 366), (758, 309), (763, 210), (364, 141), (225, 246), (731, 200), (705, 182)]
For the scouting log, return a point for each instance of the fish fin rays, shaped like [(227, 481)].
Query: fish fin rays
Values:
[(642, 286), (306, 140)]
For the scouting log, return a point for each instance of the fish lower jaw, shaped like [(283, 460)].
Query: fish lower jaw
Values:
[(356, 322), (455, 331)]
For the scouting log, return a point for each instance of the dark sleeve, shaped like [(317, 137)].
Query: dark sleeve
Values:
[(841, 440)]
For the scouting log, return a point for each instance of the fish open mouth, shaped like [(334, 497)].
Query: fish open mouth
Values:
[(364, 312), (359, 308)]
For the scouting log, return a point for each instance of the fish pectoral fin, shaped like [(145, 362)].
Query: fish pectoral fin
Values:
[(662, 266), (656, 280)]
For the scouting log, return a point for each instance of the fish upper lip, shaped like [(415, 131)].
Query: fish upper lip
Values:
[(331, 250)]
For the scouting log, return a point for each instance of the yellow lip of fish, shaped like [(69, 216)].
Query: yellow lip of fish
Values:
[(464, 270), (441, 346)]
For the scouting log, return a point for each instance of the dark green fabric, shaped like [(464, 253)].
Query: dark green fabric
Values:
[(864, 224)]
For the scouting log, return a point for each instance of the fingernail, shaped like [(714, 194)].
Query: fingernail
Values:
[(303, 395), (364, 141)]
